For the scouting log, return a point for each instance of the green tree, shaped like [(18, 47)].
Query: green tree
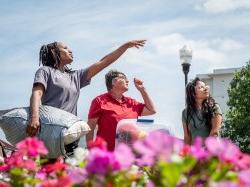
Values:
[(237, 124)]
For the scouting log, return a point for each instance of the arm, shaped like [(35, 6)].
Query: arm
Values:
[(187, 136), (35, 101), (216, 125), (112, 57), (149, 108), (92, 124)]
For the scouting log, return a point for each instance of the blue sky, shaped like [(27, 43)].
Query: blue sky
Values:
[(216, 30)]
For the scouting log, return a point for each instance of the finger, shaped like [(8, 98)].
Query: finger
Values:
[(138, 80), (141, 41), (139, 45)]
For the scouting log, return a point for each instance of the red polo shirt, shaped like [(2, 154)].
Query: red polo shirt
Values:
[(109, 112)]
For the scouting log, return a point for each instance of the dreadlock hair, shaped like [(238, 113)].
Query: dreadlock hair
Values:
[(50, 56), (207, 105), (110, 76)]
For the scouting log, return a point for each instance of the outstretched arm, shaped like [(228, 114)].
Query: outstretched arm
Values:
[(112, 57), (149, 108)]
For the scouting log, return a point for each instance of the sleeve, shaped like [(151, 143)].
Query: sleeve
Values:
[(138, 106), (184, 116), (41, 76), (82, 74), (95, 109), (217, 110)]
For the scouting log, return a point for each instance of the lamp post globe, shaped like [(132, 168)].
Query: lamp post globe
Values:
[(185, 58)]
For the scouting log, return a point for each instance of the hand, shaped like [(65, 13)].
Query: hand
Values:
[(138, 84), (135, 43), (33, 127)]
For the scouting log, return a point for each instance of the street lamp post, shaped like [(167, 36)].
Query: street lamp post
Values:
[(185, 57)]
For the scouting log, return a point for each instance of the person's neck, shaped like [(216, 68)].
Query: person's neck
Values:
[(116, 95), (61, 68), (199, 104)]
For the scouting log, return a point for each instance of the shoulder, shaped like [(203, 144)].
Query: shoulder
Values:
[(80, 71), (130, 99), (100, 98), (46, 69), (217, 109)]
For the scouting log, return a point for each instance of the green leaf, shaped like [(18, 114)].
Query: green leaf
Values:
[(237, 122), (170, 173), (16, 171)]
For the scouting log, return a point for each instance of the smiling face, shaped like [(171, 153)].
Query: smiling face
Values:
[(201, 90), (66, 56)]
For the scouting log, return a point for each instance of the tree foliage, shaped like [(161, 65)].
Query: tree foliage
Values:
[(237, 124)]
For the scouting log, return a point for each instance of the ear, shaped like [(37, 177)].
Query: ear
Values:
[(113, 81)]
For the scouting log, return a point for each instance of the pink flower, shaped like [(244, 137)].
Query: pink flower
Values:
[(4, 184), (186, 150), (48, 183), (150, 184), (225, 184), (4, 167), (78, 175), (58, 166), (223, 149), (41, 175), (243, 161), (101, 162), (32, 147), (98, 142), (244, 177), (64, 181), (29, 165), (20, 161), (198, 150), (124, 155), (157, 146)]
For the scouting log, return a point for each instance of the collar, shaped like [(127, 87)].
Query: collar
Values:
[(111, 97)]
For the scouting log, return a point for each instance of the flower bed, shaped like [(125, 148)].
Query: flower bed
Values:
[(157, 160)]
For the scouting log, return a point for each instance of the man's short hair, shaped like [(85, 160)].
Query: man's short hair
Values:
[(110, 76)]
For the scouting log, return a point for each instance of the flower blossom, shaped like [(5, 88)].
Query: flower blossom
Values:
[(32, 147)]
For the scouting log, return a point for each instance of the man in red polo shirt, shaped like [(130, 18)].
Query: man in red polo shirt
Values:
[(108, 109)]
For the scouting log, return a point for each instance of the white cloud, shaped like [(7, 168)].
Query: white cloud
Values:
[(230, 45), (217, 6), (143, 58), (202, 49), (208, 54)]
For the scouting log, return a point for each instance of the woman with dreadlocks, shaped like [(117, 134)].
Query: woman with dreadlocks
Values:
[(58, 86), (202, 117)]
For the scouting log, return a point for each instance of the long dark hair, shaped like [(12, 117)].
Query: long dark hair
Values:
[(50, 56), (207, 105)]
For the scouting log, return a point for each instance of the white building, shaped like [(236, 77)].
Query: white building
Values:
[(219, 82)]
